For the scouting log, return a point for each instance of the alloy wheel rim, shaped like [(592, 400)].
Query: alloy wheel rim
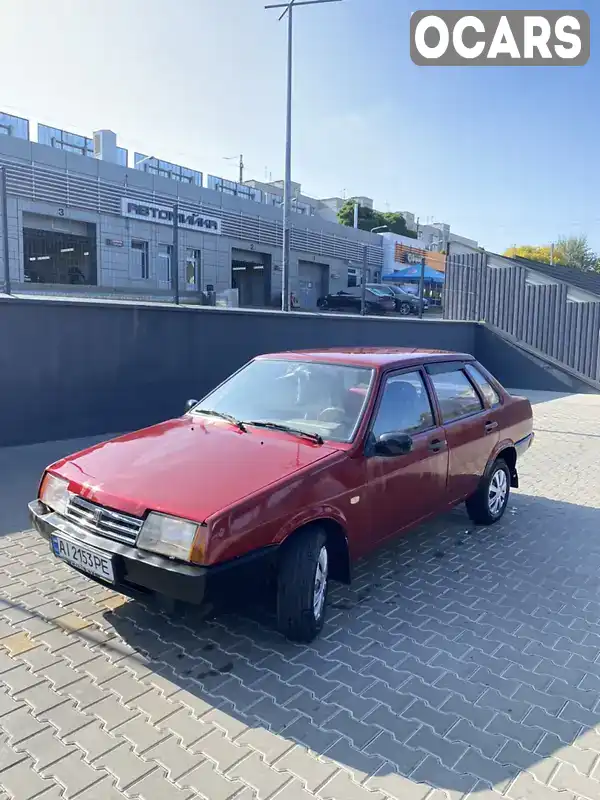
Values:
[(497, 492), (320, 587)]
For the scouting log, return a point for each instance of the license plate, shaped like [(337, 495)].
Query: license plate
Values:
[(84, 558)]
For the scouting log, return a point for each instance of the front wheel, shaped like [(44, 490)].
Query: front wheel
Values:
[(302, 586), (488, 504), (405, 309)]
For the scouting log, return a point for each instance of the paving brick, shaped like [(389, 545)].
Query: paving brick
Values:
[(221, 750), (513, 754), (305, 732), (433, 773), (306, 766), (526, 786), (20, 725), (255, 773), (207, 782), (400, 727), (184, 725), (270, 746), (438, 720), (446, 750), (360, 764), (402, 757), (93, 740), (342, 786), (73, 773), (156, 787), (473, 763), (22, 782), (125, 765), (44, 748), (174, 758)]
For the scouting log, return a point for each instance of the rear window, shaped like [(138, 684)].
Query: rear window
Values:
[(456, 395), (492, 398)]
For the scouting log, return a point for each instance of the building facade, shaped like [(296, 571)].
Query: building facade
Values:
[(90, 221)]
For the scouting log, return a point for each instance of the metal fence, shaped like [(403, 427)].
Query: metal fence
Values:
[(540, 316)]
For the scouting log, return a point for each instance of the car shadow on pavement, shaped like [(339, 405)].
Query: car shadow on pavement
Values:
[(461, 658)]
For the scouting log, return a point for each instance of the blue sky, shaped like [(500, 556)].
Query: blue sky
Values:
[(504, 154)]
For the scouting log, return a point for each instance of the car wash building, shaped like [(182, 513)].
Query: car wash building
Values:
[(79, 217)]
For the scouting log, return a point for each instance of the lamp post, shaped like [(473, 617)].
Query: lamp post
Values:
[(363, 287), (287, 190), (4, 202), (175, 258), (240, 160)]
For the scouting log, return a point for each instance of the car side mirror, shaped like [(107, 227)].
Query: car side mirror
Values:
[(189, 405), (393, 444)]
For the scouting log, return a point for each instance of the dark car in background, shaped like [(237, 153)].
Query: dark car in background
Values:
[(405, 303), (376, 301)]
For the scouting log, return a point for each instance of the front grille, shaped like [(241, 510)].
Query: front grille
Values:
[(102, 521)]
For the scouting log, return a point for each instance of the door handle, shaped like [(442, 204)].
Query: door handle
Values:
[(490, 426), (435, 445)]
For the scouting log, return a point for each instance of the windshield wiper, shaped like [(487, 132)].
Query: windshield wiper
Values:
[(274, 426), (210, 413)]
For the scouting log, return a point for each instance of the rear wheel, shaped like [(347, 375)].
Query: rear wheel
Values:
[(302, 586), (488, 504)]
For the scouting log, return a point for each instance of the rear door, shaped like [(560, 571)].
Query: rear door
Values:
[(405, 489), (470, 426)]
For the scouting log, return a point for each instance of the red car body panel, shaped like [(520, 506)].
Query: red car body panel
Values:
[(253, 489)]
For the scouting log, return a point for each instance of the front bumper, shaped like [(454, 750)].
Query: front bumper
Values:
[(139, 573)]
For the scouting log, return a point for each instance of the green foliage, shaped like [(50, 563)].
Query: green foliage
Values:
[(369, 218), (572, 251)]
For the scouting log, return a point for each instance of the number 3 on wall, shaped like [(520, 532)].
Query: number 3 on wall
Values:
[(61, 212)]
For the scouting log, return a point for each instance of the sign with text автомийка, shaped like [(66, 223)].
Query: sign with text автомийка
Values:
[(163, 214)]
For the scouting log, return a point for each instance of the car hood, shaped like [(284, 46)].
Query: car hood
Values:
[(190, 467)]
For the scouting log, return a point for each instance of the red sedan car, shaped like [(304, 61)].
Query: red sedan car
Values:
[(294, 467)]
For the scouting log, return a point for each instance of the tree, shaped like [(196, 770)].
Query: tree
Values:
[(572, 251), (369, 218)]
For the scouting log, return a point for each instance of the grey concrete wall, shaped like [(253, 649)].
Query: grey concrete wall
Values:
[(76, 368)]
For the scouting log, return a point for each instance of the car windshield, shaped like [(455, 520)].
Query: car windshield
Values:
[(311, 397), (378, 292)]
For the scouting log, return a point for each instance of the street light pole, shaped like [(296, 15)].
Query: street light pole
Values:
[(4, 201), (365, 269), (287, 186)]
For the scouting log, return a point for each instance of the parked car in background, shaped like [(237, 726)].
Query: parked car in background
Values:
[(293, 468), (376, 301), (404, 302)]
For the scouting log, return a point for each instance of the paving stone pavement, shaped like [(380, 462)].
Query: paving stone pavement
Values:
[(462, 663)]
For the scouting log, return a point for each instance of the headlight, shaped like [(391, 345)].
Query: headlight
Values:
[(171, 537), (54, 493)]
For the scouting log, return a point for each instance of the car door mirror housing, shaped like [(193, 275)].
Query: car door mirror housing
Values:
[(393, 444), (190, 404)]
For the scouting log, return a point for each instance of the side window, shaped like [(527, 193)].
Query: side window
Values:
[(487, 390), (456, 395), (405, 406)]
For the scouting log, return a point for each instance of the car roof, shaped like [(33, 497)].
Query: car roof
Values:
[(374, 357)]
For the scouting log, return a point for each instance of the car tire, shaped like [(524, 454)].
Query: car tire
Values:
[(302, 585), (488, 504), (405, 309)]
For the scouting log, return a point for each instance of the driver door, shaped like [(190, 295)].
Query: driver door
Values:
[(408, 488)]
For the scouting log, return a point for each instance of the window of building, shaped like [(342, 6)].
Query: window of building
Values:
[(165, 260), (63, 140), (141, 264), (405, 406), (492, 398), (353, 280), (165, 169), (456, 395), (14, 126), (192, 268)]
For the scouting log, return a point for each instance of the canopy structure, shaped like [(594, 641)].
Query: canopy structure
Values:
[(413, 273)]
